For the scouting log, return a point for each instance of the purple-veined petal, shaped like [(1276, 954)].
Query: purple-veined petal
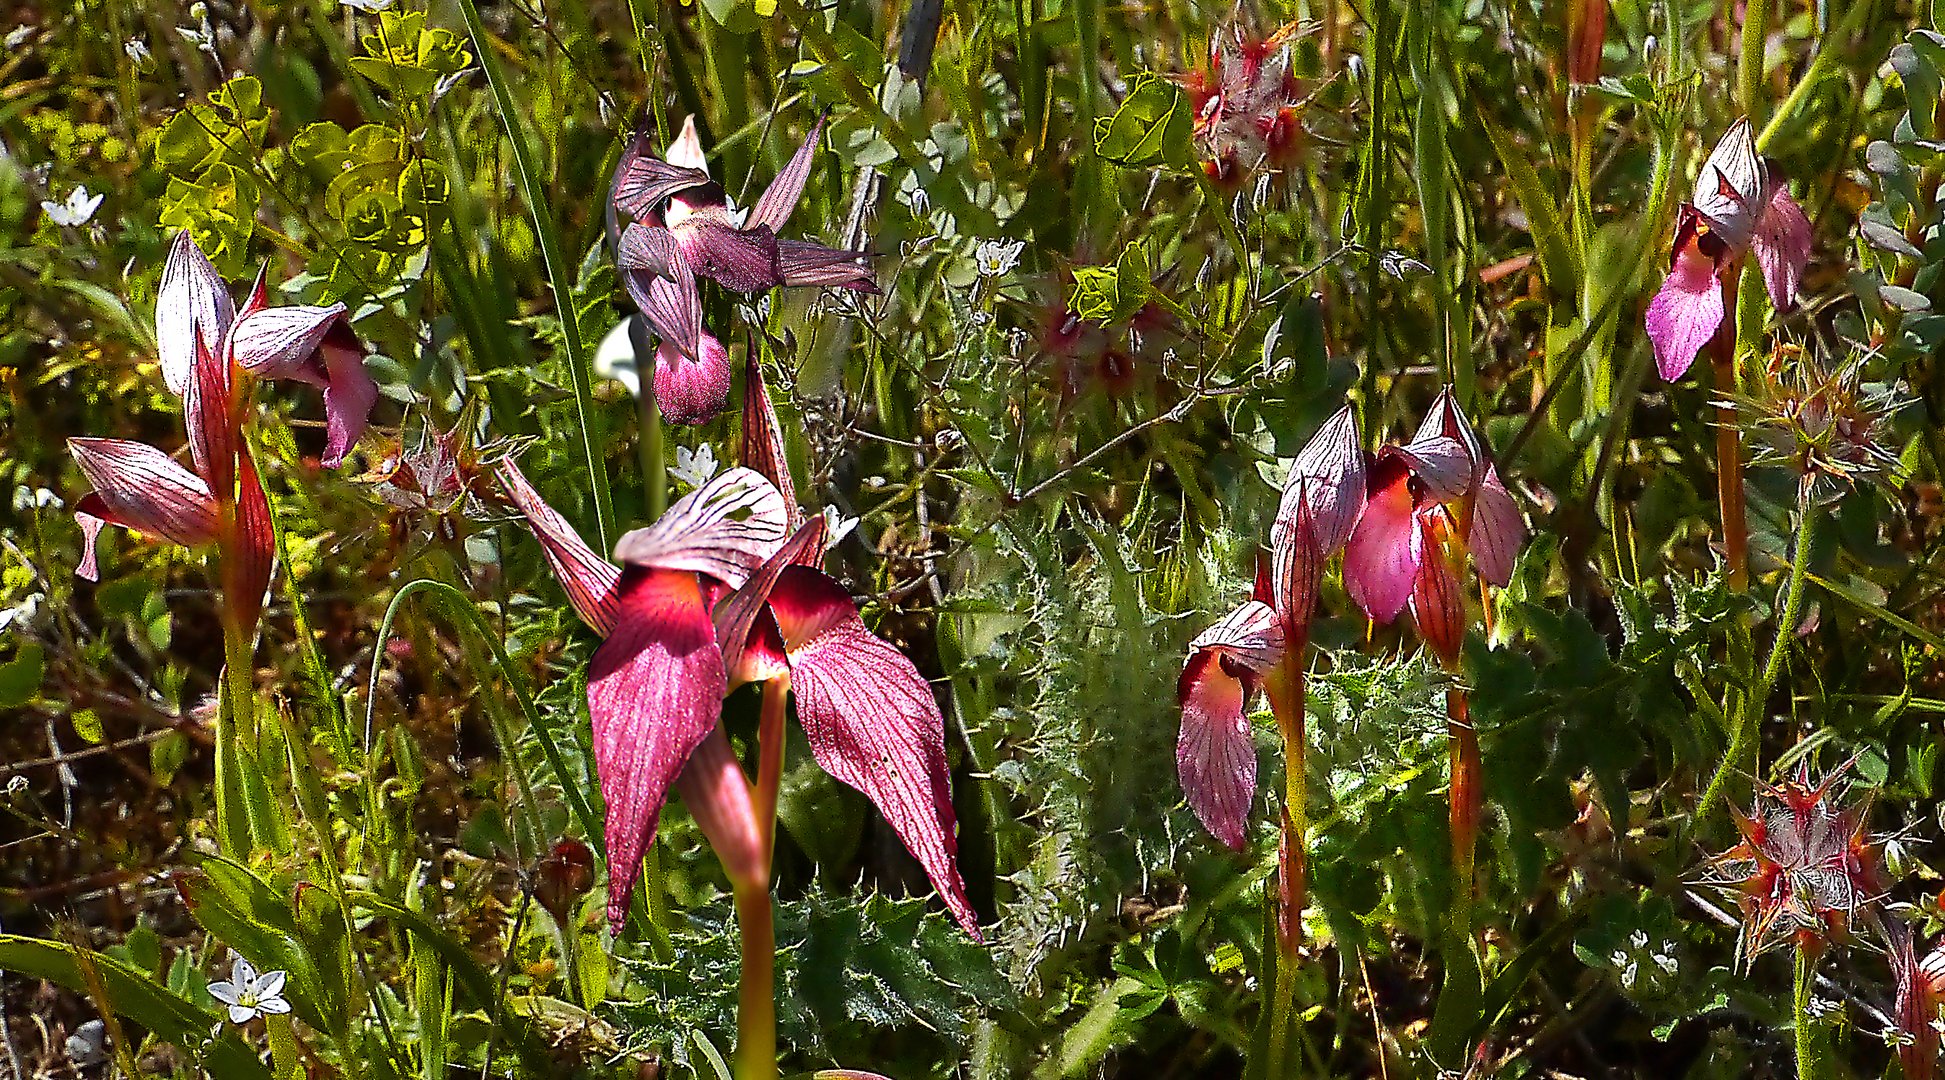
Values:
[(193, 301), (1782, 247), (642, 182), (655, 691), (1684, 315), (800, 262), (1381, 560), (1297, 567), (872, 723), (1733, 186), (692, 390), (1447, 419), (671, 303), (1441, 463), (349, 393), (251, 553), (763, 437), (281, 342), (717, 794), (773, 208), (591, 581), (1215, 755), (139, 487), (743, 260), (737, 616), (208, 414), (1332, 467), (1437, 605), (724, 529), (1498, 531), (647, 247)]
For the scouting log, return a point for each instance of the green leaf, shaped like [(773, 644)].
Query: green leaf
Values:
[(1151, 127), (20, 677)]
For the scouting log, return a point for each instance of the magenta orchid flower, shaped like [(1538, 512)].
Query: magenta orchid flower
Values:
[(1741, 205), (1915, 1018), (681, 226), (713, 595), (1436, 491), (205, 347)]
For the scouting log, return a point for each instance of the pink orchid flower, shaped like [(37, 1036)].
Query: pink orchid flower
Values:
[(1422, 498), (1919, 1004), (1261, 641), (712, 595), (1741, 205), (682, 225), (206, 347)]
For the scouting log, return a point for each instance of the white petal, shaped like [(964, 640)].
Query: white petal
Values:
[(273, 1005), (224, 991), (270, 984), (243, 973), (241, 1014)]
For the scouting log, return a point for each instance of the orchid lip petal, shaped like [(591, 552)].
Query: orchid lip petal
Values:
[(655, 691), (692, 389), (1380, 561), (1215, 752), (736, 617), (873, 723), (1687, 311), (139, 487)]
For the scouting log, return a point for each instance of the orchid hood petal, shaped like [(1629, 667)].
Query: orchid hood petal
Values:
[(1331, 469), (192, 302), (724, 529)]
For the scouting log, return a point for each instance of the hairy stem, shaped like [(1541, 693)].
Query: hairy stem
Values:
[(1807, 1065), (1747, 719)]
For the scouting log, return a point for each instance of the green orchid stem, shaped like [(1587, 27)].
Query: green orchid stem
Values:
[(1748, 718), (235, 729), (655, 470), (1286, 693), (1749, 66), (1808, 1065), (756, 1006)]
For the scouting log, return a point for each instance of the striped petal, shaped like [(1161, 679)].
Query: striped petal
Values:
[(655, 692), (873, 723), (742, 260), (1498, 530), (1297, 567), (800, 262), (736, 618), (591, 581), (642, 182), (192, 301), (139, 487), (1782, 247), (1437, 605), (763, 437), (724, 529), (1441, 463), (1331, 466), (1215, 754), (251, 554), (1733, 187), (773, 208)]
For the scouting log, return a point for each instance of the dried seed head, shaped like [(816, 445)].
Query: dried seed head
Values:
[(1826, 426)]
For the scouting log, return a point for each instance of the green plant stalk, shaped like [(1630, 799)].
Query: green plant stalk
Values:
[(1808, 1064), (1746, 719), (655, 470), (1723, 350), (235, 724), (1286, 693), (756, 1005), (1464, 791), (579, 363), (1749, 65)]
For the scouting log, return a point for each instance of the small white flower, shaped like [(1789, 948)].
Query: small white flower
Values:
[(920, 202), (1628, 975), (369, 7), (998, 257), (1822, 1007), (201, 39), (18, 36), (79, 207), (1666, 960), (249, 994), (1638, 939), (16, 785), (836, 527), (694, 468), (138, 51), (447, 82), (22, 612)]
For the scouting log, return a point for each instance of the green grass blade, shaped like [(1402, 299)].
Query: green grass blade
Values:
[(578, 361)]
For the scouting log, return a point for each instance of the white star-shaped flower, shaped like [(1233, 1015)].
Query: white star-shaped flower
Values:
[(249, 994), (79, 207), (997, 257), (694, 468), (836, 527)]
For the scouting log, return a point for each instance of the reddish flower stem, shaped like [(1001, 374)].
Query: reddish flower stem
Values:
[(1467, 798), (769, 762), (756, 1007), (1728, 442), (1284, 688)]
